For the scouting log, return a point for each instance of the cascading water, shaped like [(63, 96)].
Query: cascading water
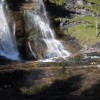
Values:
[(8, 47), (38, 18)]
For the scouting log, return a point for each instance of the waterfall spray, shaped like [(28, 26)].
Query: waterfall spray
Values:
[(8, 46), (38, 18)]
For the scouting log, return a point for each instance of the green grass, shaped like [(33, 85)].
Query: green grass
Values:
[(85, 33)]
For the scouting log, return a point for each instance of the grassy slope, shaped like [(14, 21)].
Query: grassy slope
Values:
[(85, 33)]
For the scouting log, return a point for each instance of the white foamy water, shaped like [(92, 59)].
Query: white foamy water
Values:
[(8, 47)]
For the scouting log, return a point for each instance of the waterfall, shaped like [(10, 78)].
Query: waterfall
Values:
[(8, 46), (38, 19)]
